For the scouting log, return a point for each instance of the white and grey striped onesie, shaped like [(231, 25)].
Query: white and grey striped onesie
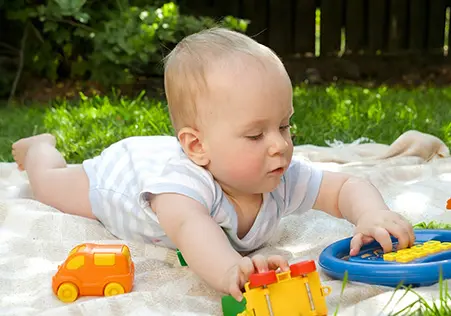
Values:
[(125, 174)]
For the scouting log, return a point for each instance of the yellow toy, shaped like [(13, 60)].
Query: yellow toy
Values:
[(417, 251), (293, 293)]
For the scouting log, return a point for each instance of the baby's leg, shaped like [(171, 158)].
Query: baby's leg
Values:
[(51, 181)]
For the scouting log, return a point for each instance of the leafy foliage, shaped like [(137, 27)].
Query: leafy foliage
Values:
[(432, 225), (111, 42)]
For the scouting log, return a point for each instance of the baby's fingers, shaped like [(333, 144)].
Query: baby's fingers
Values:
[(356, 244), (239, 277), (235, 291), (404, 232), (276, 261), (382, 236), (246, 268), (260, 263)]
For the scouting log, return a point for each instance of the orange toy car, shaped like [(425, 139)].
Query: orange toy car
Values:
[(448, 204), (94, 270)]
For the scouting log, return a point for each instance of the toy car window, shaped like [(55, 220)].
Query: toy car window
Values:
[(77, 248), (126, 253), (73, 250), (76, 262), (104, 259)]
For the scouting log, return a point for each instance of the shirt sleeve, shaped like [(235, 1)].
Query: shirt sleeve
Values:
[(301, 184), (181, 177)]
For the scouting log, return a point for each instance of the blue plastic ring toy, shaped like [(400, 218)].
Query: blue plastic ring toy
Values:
[(334, 260)]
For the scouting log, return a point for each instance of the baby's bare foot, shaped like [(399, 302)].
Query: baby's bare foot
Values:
[(20, 148)]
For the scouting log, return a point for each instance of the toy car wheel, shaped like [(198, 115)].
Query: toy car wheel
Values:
[(113, 288), (264, 278), (67, 292), (304, 267)]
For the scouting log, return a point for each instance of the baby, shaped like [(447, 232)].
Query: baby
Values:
[(220, 188)]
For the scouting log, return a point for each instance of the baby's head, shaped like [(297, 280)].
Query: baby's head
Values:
[(230, 101)]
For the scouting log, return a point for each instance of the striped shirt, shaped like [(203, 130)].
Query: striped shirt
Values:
[(125, 175)]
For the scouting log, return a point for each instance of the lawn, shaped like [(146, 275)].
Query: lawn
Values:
[(322, 115)]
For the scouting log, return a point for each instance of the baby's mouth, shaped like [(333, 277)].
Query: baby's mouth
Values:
[(277, 171)]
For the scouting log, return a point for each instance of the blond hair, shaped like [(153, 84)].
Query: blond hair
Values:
[(187, 66)]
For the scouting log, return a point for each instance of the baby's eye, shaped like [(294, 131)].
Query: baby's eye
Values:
[(255, 137), (285, 127)]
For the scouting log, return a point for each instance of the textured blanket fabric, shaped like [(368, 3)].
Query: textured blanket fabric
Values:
[(413, 174)]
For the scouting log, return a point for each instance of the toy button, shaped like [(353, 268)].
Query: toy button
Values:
[(404, 258), (419, 253), (431, 242), (436, 248), (391, 256)]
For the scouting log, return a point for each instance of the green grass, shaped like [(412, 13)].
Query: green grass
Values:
[(437, 306), (84, 128), (380, 114), (322, 115)]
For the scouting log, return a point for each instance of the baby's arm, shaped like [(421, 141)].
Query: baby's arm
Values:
[(359, 202), (205, 246), (348, 197)]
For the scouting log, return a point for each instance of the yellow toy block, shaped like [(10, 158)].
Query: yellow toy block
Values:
[(293, 293), (417, 251)]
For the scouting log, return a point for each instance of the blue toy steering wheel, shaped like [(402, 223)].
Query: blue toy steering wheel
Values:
[(369, 266)]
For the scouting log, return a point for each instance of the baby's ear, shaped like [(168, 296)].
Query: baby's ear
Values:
[(193, 146)]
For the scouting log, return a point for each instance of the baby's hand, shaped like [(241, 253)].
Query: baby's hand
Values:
[(239, 274), (380, 226)]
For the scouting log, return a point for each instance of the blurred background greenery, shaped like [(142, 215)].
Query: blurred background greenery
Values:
[(90, 73)]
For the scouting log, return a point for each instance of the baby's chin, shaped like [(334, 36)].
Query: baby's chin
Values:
[(269, 187), (260, 186)]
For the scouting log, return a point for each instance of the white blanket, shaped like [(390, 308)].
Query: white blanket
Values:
[(413, 174)]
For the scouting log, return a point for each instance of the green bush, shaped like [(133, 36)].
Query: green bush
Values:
[(111, 42)]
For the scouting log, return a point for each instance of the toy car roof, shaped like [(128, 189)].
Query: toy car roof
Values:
[(100, 248)]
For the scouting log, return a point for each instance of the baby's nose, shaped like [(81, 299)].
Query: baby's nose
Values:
[(279, 146)]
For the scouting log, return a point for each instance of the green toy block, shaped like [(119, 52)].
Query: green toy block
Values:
[(181, 259), (231, 307)]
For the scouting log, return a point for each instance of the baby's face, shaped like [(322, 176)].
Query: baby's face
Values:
[(247, 127)]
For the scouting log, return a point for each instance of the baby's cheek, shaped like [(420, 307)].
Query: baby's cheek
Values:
[(246, 170)]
